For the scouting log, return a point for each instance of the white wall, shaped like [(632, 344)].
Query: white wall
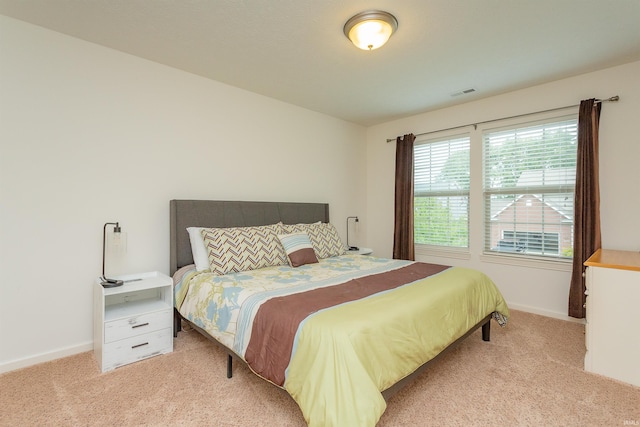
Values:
[(90, 135), (533, 288)]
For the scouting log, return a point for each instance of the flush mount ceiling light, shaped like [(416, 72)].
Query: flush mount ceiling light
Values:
[(370, 29)]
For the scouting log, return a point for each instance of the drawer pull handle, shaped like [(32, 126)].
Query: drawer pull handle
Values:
[(139, 345), (140, 325)]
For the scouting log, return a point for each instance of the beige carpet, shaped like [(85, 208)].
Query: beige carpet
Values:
[(530, 374)]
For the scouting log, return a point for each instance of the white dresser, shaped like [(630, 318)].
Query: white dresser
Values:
[(613, 315), (133, 321)]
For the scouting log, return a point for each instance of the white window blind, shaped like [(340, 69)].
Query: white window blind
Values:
[(529, 181), (441, 192)]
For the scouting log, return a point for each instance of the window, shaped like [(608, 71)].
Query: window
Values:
[(441, 192), (529, 181)]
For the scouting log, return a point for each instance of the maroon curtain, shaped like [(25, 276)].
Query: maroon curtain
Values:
[(403, 211), (586, 202)]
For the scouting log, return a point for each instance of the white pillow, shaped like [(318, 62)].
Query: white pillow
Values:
[(199, 251)]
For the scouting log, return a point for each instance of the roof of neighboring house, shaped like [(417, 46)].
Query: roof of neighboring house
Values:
[(555, 176), (558, 203)]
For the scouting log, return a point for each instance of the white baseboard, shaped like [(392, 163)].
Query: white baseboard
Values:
[(547, 313), (12, 365)]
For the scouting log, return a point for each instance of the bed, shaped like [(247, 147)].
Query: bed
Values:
[(339, 332)]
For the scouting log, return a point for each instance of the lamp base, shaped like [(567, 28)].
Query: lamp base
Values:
[(111, 283)]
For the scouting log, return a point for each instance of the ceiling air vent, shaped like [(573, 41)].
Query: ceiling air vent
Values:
[(463, 92)]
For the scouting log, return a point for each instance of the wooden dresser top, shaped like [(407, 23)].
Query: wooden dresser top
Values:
[(609, 258)]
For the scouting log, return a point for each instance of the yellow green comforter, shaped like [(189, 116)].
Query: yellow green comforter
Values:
[(340, 357)]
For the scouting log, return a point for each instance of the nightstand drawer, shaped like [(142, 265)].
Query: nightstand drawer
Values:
[(137, 348), (137, 325)]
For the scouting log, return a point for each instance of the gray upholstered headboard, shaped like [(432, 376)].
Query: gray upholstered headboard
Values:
[(216, 213)]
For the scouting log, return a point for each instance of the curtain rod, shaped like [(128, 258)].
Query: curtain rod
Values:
[(475, 125)]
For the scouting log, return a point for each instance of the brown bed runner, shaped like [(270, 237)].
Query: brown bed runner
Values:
[(277, 320)]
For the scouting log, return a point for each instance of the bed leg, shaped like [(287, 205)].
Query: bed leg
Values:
[(486, 331), (177, 324), (229, 366)]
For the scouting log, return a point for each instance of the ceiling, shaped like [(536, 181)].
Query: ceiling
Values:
[(295, 50)]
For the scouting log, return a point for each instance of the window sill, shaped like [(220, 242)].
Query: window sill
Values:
[(544, 264), (425, 250)]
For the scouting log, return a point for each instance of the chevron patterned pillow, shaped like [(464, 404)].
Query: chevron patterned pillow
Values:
[(236, 249), (324, 238)]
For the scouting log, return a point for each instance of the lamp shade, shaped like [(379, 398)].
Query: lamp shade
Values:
[(371, 29)]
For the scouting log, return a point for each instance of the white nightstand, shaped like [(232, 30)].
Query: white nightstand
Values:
[(133, 321), (361, 251)]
